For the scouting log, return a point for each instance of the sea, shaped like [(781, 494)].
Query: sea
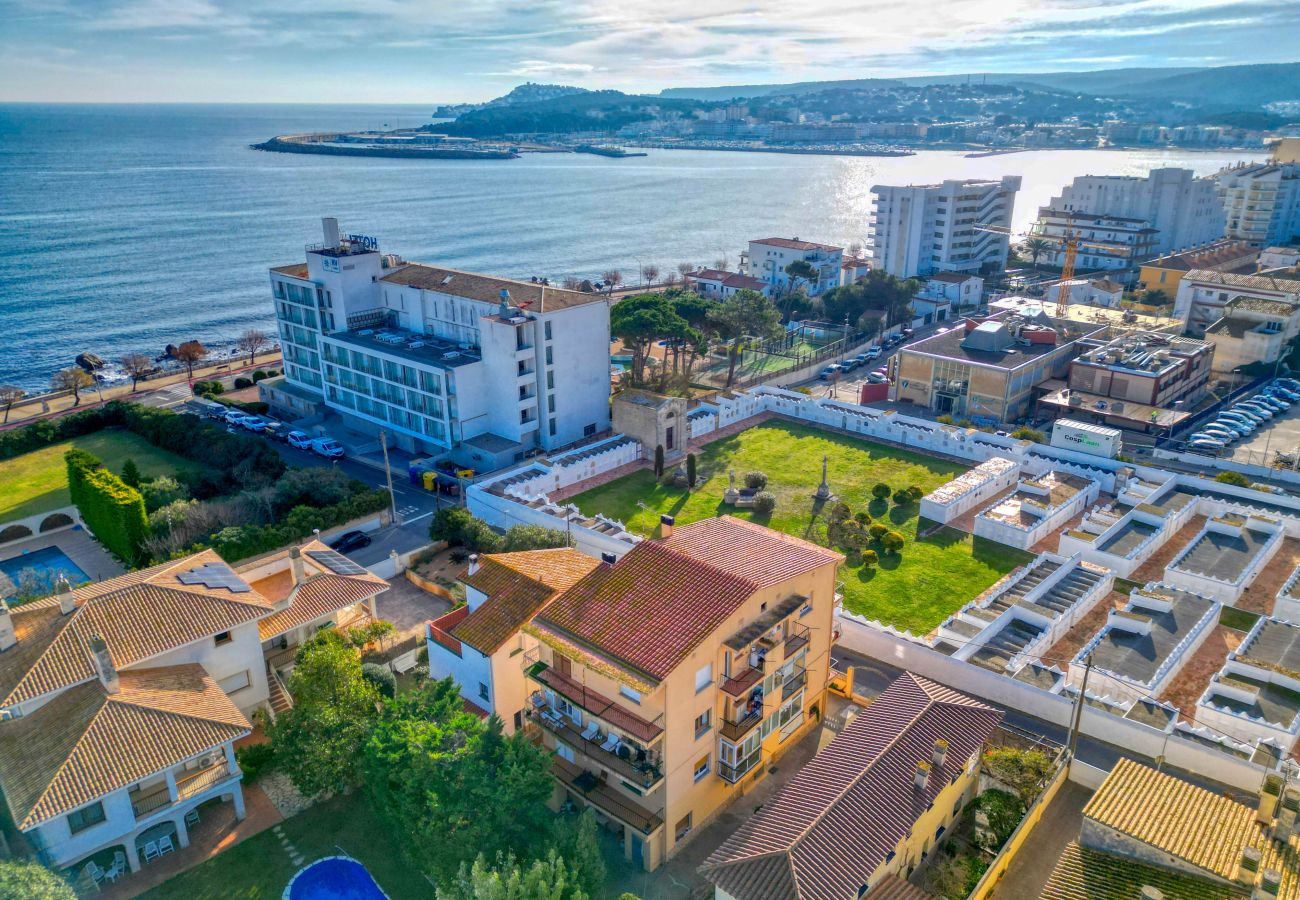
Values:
[(130, 227)]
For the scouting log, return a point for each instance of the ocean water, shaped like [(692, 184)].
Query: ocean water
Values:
[(130, 227)]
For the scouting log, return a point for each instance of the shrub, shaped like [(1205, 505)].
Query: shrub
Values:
[(659, 460), (204, 388), (862, 518), (255, 760), (902, 496), (112, 510), (965, 423), (449, 524), (881, 491), (1024, 771), (870, 557), (680, 480), (1233, 478), (242, 382), (260, 375), (533, 537), (878, 531), (892, 542), (691, 469), (1025, 433), (162, 491), (756, 480), (944, 419), (853, 558), (131, 473), (256, 407), (916, 493), (32, 881), (381, 677), (764, 503)]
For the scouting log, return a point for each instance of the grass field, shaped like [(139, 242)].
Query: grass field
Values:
[(38, 481), (916, 589), (259, 869)]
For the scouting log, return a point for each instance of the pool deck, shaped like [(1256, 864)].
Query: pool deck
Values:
[(89, 556)]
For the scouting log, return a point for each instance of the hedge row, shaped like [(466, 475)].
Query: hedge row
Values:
[(112, 510), (240, 542)]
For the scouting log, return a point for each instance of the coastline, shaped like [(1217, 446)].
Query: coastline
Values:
[(317, 144)]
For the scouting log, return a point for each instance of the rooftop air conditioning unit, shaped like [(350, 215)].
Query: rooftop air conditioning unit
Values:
[(366, 332), (452, 354), (415, 344)]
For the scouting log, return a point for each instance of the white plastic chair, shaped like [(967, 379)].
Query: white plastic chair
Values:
[(93, 872), (165, 845), (151, 851), (118, 869), (191, 818), (611, 743), (592, 731)]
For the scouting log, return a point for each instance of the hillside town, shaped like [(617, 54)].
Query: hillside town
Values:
[(956, 563)]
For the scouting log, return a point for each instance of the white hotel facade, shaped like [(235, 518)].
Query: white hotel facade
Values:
[(484, 368)]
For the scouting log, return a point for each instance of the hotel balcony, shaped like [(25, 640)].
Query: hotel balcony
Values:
[(736, 725), (601, 747), (740, 683)]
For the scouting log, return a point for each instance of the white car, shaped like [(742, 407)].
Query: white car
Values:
[(327, 447), (253, 423), (300, 439), (873, 353)]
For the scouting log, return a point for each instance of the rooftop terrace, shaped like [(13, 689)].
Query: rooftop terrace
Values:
[(419, 348)]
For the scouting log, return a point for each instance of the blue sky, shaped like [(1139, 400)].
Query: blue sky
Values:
[(421, 51)]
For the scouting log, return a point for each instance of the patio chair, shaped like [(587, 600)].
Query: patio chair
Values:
[(118, 869), (151, 851), (165, 845), (592, 731), (191, 818), (611, 743), (93, 872)]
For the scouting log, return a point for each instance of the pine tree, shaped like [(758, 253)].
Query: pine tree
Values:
[(659, 461), (690, 469), (131, 473)]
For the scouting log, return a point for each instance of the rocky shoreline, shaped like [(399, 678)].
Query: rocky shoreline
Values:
[(319, 144)]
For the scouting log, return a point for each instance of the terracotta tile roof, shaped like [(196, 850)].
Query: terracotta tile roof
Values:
[(439, 629), (86, 743), (140, 615), (679, 590), (317, 596), (951, 277), (795, 244), (1255, 282), (1086, 874), (1202, 828), (517, 585), (487, 288), (744, 548), (832, 825), (891, 887)]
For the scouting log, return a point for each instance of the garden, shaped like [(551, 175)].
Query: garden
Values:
[(914, 584)]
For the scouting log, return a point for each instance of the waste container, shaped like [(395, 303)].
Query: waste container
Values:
[(430, 480)]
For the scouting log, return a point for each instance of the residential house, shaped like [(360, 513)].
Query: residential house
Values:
[(945, 291), (121, 700), (866, 810), (667, 682), (1203, 294), (480, 644), (853, 269), (719, 284), (1165, 272), (1106, 242), (1252, 330), (1144, 828), (767, 259)]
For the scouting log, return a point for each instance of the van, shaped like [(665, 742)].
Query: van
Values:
[(327, 447)]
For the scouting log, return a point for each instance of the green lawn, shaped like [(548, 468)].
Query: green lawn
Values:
[(38, 481), (259, 868), (916, 589)]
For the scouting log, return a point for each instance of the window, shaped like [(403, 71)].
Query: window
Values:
[(483, 690), (237, 682), (806, 610), (552, 428), (548, 330), (550, 381), (630, 693), (703, 722), (519, 719), (222, 638), (702, 767), (683, 827), (81, 819), (589, 430), (703, 677), (549, 359), (564, 752)]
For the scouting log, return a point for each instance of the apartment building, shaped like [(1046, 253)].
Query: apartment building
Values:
[(987, 370), (1145, 368), (667, 681), (1185, 211), (1204, 293), (859, 816), (766, 261), (483, 368), (719, 284), (923, 229), (1252, 330), (1262, 200), (1106, 242), (1165, 272), (121, 700)]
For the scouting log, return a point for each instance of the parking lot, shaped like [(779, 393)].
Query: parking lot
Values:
[(1281, 435)]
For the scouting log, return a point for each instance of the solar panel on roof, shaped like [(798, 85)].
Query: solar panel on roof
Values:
[(336, 562), (214, 576)]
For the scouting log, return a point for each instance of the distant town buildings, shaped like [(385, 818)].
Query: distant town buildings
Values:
[(1106, 242), (1203, 294), (1165, 272), (1262, 200), (441, 360), (920, 230), (719, 284), (1184, 210), (767, 259)]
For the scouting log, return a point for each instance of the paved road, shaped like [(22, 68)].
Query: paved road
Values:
[(849, 388)]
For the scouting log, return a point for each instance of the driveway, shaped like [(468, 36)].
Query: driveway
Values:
[(408, 607), (1033, 865)]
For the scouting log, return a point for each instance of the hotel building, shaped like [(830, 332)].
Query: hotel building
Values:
[(923, 229)]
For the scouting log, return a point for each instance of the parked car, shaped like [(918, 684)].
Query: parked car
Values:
[(1289, 383), (907, 332), (234, 416), (1233, 428), (349, 541), (1281, 404), (300, 439), (1206, 443), (877, 378), (253, 423), (1280, 390), (1255, 415), (850, 364), (276, 430), (327, 447), (1247, 423), (1252, 406), (873, 353), (831, 371), (1220, 433)]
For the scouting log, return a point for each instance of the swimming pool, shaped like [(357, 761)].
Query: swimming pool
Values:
[(334, 878), (37, 571)]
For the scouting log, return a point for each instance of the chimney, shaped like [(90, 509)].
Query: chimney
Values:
[(330, 227), (1286, 815), (1269, 885), (63, 590), (505, 304), (8, 637), (666, 523), (103, 664), (295, 565), (940, 753), (1247, 866), (922, 776), (473, 563), (608, 558), (1268, 795)]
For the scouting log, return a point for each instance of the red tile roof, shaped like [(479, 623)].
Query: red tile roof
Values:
[(517, 585), (832, 826), (652, 608)]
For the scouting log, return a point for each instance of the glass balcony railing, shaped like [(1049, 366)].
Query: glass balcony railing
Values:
[(733, 773)]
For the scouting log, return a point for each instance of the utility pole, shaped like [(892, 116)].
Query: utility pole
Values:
[(388, 472), (1078, 708)]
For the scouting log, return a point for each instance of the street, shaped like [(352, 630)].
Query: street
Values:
[(849, 388)]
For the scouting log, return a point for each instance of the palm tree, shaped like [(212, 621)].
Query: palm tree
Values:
[(1036, 247)]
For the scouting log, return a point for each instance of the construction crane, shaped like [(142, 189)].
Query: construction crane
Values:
[(1071, 244)]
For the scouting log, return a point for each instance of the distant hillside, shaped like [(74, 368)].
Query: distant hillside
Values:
[(529, 92), (1238, 87), (585, 111)]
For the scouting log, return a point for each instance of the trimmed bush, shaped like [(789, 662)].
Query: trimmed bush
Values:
[(691, 469), (892, 542), (756, 480), (764, 503), (259, 375), (881, 491), (870, 557), (204, 388), (131, 473), (112, 510), (878, 531), (902, 496), (381, 677), (241, 382), (254, 760)]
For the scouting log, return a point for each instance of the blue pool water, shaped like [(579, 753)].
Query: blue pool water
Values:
[(43, 567), (334, 878)]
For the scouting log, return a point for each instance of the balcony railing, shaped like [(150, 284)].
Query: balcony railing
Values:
[(200, 780), (796, 639), (604, 748), (609, 711), (742, 681), (732, 774), (144, 803), (735, 729), (794, 684)]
